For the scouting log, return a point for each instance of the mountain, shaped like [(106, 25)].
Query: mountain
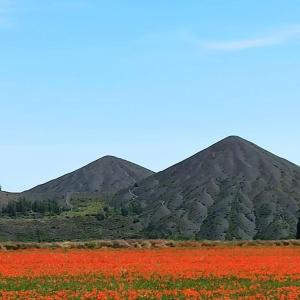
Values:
[(231, 190), (74, 206), (106, 175)]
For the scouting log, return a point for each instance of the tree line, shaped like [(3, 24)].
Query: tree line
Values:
[(24, 207)]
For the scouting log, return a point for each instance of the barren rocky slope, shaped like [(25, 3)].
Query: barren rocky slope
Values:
[(106, 175), (231, 190)]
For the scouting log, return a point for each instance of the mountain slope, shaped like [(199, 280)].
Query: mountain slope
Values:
[(6, 197), (106, 175), (231, 190)]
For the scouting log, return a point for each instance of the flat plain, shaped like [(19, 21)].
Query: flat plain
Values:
[(186, 271)]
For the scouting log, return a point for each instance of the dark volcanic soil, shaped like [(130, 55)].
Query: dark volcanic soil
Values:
[(231, 190)]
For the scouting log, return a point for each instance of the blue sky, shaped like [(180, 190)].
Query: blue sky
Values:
[(149, 81)]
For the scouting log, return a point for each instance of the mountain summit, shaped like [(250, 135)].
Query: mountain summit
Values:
[(106, 175), (231, 190)]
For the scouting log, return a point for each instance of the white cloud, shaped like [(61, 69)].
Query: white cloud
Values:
[(276, 38)]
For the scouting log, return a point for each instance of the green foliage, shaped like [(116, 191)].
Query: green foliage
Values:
[(85, 207), (23, 207), (124, 211), (100, 216), (239, 288), (135, 207)]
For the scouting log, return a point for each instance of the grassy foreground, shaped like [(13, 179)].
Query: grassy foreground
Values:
[(143, 244), (248, 272), (98, 287)]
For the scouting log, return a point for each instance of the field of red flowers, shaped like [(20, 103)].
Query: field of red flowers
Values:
[(171, 273)]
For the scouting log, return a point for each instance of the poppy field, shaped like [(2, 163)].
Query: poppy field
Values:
[(261, 272)]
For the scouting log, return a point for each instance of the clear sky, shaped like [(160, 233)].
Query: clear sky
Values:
[(149, 81)]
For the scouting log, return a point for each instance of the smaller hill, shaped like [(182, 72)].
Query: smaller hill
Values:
[(106, 175)]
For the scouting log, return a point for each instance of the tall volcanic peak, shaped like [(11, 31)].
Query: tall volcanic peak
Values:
[(108, 175), (231, 190)]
